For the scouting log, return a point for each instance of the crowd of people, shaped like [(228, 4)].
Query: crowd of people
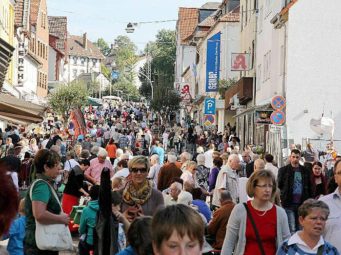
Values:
[(151, 186)]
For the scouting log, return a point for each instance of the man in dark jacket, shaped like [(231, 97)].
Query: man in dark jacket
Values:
[(294, 184)]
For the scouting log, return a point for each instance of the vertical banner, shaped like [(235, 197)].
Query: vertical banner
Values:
[(213, 63)]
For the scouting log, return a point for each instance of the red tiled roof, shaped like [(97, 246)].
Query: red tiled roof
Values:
[(286, 8), (34, 10), (187, 22), (58, 28), (19, 13), (230, 17), (76, 48)]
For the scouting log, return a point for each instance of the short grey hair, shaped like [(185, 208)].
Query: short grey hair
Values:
[(154, 157), (201, 158), (102, 153), (94, 150), (233, 157), (171, 158), (186, 155), (177, 185), (119, 152), (311, 203)]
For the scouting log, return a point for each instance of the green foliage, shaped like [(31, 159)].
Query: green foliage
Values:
[(224, 85), (166, 101), (106, 71), (67, 97), (124, 54), (162, 53), (103, 46), (126, 88)]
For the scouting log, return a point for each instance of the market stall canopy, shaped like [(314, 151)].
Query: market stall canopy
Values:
[(94, 101), (19, 111)]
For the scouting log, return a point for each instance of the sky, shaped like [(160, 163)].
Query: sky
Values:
[(109, 18)]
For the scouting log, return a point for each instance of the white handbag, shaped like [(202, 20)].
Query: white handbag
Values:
[(52, 237)]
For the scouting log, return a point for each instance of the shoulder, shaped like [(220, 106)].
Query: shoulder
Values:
[(329, 247), (281, 212), (327, 198)]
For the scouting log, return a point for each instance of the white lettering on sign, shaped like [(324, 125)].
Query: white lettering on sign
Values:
[(21, 56), (212, 80)]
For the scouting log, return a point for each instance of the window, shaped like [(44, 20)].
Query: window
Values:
[(74, 60), (74, 73), (82, 61), (43, 20)]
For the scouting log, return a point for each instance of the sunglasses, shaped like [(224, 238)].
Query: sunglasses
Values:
[(142, 170)]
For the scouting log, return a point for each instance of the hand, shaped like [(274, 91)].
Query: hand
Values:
[(65, 218)]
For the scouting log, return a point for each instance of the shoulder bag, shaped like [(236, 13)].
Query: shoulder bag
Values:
[(259, 241), (52, 237)]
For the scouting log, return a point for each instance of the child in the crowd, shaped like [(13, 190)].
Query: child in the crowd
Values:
[(16, 232)]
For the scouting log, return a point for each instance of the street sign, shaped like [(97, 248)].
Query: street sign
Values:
[(277, 118), (275, 129), (115, 75), (278, 102), (220, 104), (209, 120), (235, 107), (210, 106)]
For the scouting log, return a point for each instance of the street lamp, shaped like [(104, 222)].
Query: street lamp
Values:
[(150, 82)]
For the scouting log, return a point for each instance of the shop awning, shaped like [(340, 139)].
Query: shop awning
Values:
[(20, 110), (6, 51)]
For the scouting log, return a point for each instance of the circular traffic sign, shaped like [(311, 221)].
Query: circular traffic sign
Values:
[(278, 102), (277, 118), (209, 117)]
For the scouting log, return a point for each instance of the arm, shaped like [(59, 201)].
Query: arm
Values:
[(232, 231), (87, 175), (214, 224), (43, 216), (280, 178)]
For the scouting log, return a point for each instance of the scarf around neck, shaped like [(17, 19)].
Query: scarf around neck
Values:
[(132, 196)]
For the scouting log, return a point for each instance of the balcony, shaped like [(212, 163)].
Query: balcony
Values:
[(243, 89)]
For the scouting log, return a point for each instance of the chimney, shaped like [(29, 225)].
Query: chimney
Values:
[(85, 41)]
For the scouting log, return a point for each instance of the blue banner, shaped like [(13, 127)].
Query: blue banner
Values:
[(213, 63), (209, 106)]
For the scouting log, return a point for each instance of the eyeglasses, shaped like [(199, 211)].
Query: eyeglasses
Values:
[(264, 186), (142, 170)]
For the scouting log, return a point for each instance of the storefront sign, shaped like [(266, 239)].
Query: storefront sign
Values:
[(240, 62), (263, 117), (213, 63), (21, 56)]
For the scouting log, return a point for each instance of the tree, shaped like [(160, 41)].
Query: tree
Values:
[(162, 53), (224, 85), (126, 88), (103, 46), (68, 97)]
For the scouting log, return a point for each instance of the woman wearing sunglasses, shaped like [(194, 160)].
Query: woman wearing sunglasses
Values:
[(139, 196)]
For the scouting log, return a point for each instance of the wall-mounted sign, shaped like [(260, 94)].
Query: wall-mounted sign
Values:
[(263, 117), (213, 63), (21, 63), (210, 106), (240, 62)]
